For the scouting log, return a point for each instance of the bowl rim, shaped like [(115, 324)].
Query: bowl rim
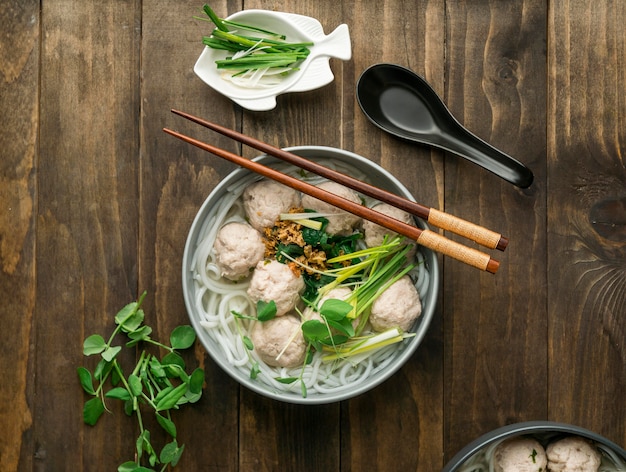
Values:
[(526, 427), (322, 152)]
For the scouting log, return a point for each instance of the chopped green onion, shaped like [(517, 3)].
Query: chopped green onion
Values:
[(304, 219), (366, 345), (270, 55)]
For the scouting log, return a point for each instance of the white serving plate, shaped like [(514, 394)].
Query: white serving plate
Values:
[(315, 71)]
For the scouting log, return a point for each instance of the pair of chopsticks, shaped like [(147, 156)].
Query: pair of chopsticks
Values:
[(425, 237)]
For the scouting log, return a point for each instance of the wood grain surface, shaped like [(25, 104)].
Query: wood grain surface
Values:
[(96, 203)]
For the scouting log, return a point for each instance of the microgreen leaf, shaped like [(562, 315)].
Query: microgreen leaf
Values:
[(111, 352), (167, 424), (343, 326), (248, 343), (265, 310), (286, 380), (334, 340), (130, 317), (116, 377), (171, 399), (156, 368), (255, 370), (119, 393), (92, 410), (94, 344), (173, 359), (334, 309), (176, 372), (143, 443), (130, 466), (134, 382), (162, 393), (102, 370), (314, 330), (86, 380), (171, 452), (138, 335), (182, 337), (196, 381)]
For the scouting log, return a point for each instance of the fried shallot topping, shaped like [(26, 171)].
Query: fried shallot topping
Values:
[(289, 232)]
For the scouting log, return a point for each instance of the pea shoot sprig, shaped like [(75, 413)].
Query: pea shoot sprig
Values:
[(154, 384)]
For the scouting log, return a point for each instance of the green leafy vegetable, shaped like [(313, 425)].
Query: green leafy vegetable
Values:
[(154, 384)]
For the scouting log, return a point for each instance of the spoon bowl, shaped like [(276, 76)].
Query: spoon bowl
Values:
[(403, 104)]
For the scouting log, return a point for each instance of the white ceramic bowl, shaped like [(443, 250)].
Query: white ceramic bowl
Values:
[(192, 293), (313, 73), (543, 431)]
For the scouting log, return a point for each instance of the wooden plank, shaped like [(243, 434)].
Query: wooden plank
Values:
[(496, 359), (587, 216), (409, 404), (175, 180), (19, 78), (87, 219), (305, 118)]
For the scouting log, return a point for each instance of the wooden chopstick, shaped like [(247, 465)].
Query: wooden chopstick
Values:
[(426, 238), (454, 224)]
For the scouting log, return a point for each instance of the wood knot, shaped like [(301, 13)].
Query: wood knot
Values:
[(507, 72), (608, 218)]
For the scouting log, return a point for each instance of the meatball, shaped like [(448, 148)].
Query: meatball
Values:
[(279, 341), (341, 222), (272, 280), (397, 307), (520, 455), (238, 248), (265, 200), (375, 233), (573, 454)]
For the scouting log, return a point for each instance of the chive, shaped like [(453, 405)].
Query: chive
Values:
[(214, 18), (252, 28), (276, 52)]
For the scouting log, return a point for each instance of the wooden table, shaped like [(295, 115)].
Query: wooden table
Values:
[(96, 202)]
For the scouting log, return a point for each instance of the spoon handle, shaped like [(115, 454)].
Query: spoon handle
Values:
[(474, 149)]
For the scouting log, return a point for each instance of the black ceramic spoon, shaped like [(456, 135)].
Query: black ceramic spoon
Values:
[(402, 103)]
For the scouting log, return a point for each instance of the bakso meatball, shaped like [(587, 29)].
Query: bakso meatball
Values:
[(375, 233), (238, 248), (520, 455), (341, 222), (573, 454), (272, 280), (397, 307), (265, 200), (276, 336)]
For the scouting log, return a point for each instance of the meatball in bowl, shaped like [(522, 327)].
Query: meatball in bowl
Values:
[(539, 446), (298, 300)]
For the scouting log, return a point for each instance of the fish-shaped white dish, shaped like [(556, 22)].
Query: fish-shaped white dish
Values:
[(314, 72)]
